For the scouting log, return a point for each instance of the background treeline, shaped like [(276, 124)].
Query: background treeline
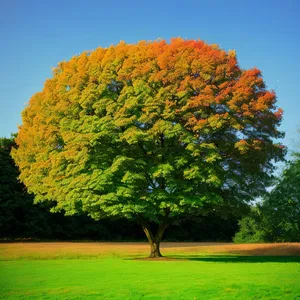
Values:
[(20, 218), (276, 218)]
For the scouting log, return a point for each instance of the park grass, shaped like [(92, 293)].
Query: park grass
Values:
[(117, 271)]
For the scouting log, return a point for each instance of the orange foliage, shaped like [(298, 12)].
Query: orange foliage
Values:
[(185, 82)]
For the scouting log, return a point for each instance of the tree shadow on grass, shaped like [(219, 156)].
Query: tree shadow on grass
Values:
[(223, 259), (243, 259)]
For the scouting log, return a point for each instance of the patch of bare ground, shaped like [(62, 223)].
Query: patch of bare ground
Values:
[(157, 258), (276, 249), (94, 249)]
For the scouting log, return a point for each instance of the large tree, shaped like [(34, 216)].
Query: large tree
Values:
[(151, 131)]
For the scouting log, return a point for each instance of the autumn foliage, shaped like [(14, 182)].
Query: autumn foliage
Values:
[(150, 131)]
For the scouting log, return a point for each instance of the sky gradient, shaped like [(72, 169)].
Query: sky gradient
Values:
[(36, 35)]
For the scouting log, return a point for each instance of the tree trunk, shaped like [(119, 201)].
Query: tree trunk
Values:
[(154, 241), (155, 251)]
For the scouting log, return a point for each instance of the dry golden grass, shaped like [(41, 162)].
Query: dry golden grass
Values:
[(91, 249)]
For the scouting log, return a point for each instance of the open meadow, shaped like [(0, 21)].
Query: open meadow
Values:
[(119, 271)]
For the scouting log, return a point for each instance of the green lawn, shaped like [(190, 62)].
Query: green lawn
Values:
[(202, 277)]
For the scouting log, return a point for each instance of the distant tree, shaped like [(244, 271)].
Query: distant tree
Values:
[(150, 132), (11, 193), (277, 218), (18, 217), (281, 207), (251, 229)]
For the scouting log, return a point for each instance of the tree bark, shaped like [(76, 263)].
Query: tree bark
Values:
[(154, 240)]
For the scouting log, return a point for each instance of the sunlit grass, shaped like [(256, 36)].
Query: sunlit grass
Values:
[(116, 271)]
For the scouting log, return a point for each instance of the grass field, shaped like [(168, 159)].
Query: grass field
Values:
[(118, 271)]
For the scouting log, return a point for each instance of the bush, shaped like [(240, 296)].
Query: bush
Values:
[(249, 232)]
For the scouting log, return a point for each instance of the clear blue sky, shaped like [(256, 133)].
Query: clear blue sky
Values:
[(36, 35)]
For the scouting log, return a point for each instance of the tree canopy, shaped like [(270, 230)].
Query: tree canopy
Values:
[(150, 131)]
